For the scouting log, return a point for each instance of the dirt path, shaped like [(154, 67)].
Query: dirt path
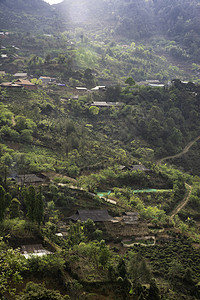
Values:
[(182, 203), (13, 121), (185, 150), (187, 196)]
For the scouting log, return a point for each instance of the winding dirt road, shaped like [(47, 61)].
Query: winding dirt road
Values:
[(182, 203), (189, 188), (185, 150)]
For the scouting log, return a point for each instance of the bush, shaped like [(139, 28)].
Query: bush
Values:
[(9, 133), (48, 265), (19, 228), (38, 291), (26, 136)]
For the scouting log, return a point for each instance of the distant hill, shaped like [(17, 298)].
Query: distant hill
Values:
[(125, 20), (179, 20), (128, 19), (138, 19), (26, 16)]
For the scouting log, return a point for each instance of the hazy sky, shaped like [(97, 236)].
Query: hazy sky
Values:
[(53, 1)]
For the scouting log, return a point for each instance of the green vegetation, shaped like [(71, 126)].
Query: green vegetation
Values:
[(80, 149)]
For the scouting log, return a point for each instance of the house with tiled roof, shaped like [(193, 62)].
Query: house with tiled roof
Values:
[(26, 84)]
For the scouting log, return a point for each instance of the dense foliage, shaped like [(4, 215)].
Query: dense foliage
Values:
[(106, 148)]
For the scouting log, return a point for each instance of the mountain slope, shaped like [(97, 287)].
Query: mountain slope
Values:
[(127, 19), (179, 20), (24, 16)]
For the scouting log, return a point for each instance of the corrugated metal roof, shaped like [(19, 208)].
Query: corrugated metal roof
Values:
[(130, 217), (20, 74), (138, 168), (34, 250)]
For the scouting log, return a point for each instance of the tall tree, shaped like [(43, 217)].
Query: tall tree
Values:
[(39, 207), (2, 203), (14, 208), (29, 200)]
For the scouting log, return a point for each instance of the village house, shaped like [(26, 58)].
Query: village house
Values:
[(21, 75), (34, 250), (26, 84), (4, 56), (81, 89), (47, 79), (130, 217), (152, 83), (3, 35), (20, 83), (10, 85), (99, 88), (156, 84), (31, 179), (134, 168), (105, 104)]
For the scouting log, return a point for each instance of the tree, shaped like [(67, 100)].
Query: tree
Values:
[(34, 204), (20, 123), (29, 200), (39, 207), (111, 274), (187, 277), (113, 92), (38, 291), (26, 136), (154, 293), (138, 269), (12, 264), (89, 228), (2, 203), (88, 74), (61, 59), (47, 59), (93, 110), (130, 81), (121, 268), (14, 208), (36, 81), (104, 253), (176, 270)]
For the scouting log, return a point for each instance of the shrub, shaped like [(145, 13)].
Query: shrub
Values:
[(26, 136), (9, 133), (38, 291), (49, 265)]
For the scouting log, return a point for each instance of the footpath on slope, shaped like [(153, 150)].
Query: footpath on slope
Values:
[(187, 196), (185, 150), (182, 203)]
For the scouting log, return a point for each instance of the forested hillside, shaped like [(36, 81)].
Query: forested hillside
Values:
[(123, 19), (27, 16), (138, 19), (179, 21), (99, 150)]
